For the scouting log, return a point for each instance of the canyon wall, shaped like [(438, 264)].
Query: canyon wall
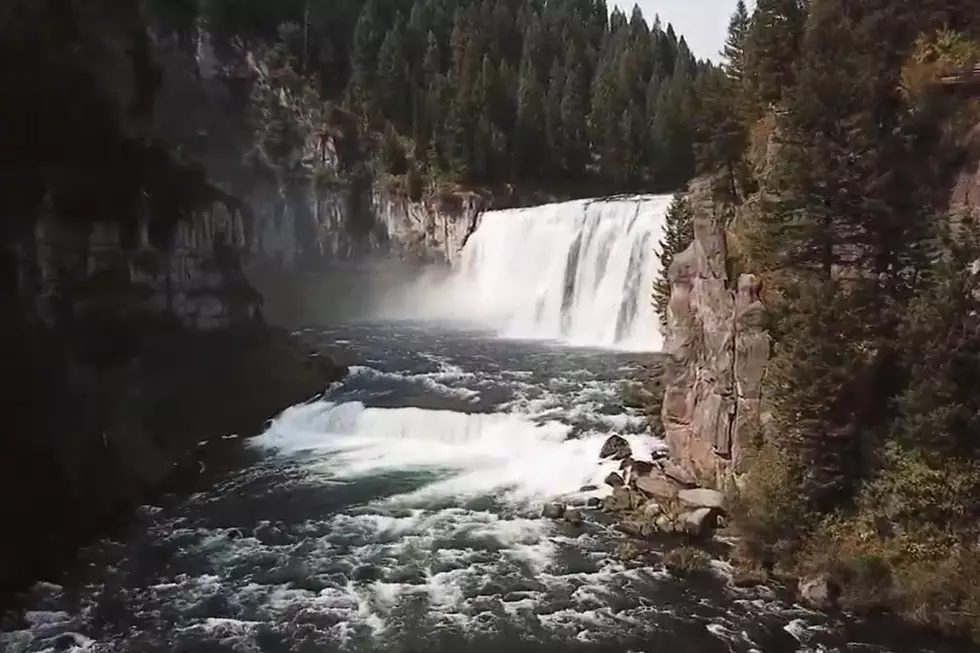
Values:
[(717, 345), (133, 345), (308, 170)]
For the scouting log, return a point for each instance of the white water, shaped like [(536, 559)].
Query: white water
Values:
[(520, 460), (580, 272)]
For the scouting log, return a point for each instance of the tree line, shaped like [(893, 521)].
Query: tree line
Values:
[(548, 94)]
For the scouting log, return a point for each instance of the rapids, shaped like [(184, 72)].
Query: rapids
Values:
[(401, 512)]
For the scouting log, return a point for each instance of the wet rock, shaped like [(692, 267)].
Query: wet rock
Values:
[(637, 527), (746, 578), (368, 573), (553, 510), (619, 501), (573, 516), (68, 641), (677, 473), (699, 523), (615, 480), (593, 502), (820, 591), (664, 524), (657, 487), (624, 464), (702, 498), (659, 454), (616, 447), (640, 468), (588, 488)]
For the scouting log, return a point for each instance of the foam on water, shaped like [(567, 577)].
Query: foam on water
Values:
[(505, 455)]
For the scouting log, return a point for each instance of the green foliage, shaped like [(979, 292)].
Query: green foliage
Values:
[(500, 90), (686, 560), (678, 234), (870, 466), (393, 153)]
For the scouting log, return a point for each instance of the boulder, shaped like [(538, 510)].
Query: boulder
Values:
[(657, 486), (640, 468), (593, 502), (553, 510), (616, 447), (638, 528), (702, 498), (745, 578), (588, 488), (699, 523), (573, 516), (679, 474), (819, 591), (615, 480), (619, 501)]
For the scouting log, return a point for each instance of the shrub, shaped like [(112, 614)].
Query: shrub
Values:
[(769, 507), (686, 560)]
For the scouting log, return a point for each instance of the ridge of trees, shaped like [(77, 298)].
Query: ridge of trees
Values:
[(548, 93)]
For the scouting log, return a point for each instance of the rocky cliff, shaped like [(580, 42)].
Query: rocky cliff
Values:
[(308, 170), (128, 332), (717, 345)]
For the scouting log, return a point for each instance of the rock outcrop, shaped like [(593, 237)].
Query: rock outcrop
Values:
[(133, 348), (314, 192), (718, 347)]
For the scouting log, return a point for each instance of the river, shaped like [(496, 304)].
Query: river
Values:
[(402, 512)]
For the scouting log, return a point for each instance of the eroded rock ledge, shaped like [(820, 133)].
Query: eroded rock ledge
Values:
[(718, 345)]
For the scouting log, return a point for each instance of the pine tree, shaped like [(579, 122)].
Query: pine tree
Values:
[(771, 46), (733, 51), (678, 234), (393, 75), (574, 110), (367, 36)]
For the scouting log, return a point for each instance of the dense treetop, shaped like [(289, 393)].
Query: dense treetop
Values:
[(555, 92)]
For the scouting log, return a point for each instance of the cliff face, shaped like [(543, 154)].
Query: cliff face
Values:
[(304, 168), (127, 329), (717, 346)]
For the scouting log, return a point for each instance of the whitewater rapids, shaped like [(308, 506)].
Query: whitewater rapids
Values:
[(401, 512)]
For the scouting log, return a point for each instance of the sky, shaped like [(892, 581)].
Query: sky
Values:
[(703, 23)]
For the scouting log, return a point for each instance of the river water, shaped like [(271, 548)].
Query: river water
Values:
[(401, 513)]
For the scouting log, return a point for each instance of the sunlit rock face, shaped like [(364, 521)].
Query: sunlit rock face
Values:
[(718, 346)]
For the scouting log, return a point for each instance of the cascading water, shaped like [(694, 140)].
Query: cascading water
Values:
[(577, 271)]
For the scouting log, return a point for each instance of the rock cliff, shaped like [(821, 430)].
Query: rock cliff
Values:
[(128, 332), (717, 345), (307, 170)]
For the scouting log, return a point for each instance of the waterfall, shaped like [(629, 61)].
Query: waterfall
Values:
[(580, 272)]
